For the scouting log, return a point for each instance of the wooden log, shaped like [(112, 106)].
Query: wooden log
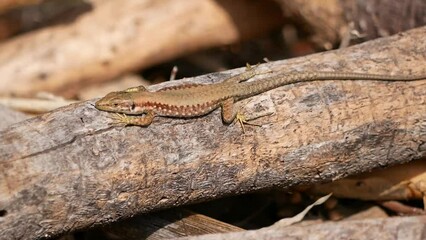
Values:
[(69, 169), (378, 18), (9, 117), (370, 229), (122, 36), (168, 224), (401, 182), (333, 22), (28, 15)]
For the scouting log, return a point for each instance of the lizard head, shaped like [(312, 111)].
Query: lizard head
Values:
[(119, 102)]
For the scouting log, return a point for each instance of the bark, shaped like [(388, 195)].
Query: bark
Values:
[(339, 22), (9, 117), (381, 18), (169, 224), (69, 169), (380, 228), (98, 47), (402, 182)]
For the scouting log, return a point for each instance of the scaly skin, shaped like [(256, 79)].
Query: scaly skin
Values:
[(198, 100)]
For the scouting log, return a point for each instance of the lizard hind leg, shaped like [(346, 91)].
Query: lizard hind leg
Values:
[(228, 111), (229, 114)]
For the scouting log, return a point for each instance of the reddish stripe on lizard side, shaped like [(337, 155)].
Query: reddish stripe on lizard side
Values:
[(180, 111), (184, 86)]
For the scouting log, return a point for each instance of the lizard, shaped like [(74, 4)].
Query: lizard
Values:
[(138, 106)]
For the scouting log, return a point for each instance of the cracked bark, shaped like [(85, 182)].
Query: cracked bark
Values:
[(68, 169)]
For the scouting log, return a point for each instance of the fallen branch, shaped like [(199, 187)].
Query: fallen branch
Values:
[(401, 182), (140, 34), (69, 169), (332, 23), (380, 228), (9, 117), (168, 224), (33, 105)]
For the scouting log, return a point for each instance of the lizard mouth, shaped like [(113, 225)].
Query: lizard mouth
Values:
[(100, 105)]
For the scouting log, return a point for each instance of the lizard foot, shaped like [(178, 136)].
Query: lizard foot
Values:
[(120, 119), (253, 68), (250, 67), (241, 118)]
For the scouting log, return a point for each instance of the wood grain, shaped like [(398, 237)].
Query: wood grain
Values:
[(369, 229), (69, 169), (168, 224)]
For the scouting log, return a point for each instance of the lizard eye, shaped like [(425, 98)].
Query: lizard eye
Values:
[(133, 106)]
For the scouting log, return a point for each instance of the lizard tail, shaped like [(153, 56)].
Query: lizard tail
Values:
[(252, 88)]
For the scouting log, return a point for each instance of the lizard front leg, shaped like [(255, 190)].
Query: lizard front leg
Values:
[(123, 119)]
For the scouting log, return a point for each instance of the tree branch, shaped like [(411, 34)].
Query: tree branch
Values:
[(380, 228)]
